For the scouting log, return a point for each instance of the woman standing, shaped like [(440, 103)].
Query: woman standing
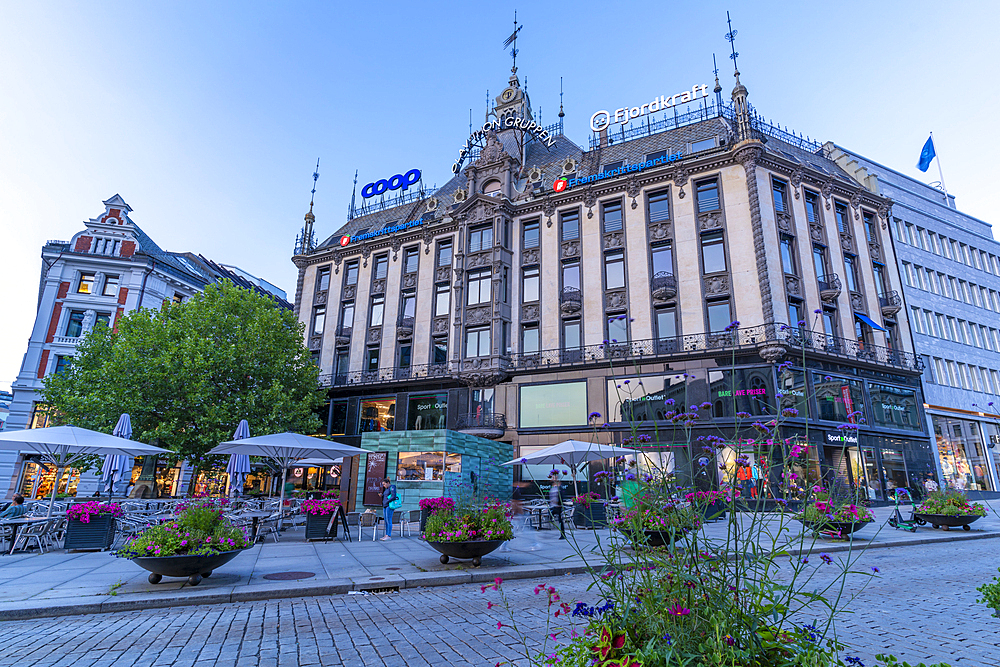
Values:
[(388, 495)]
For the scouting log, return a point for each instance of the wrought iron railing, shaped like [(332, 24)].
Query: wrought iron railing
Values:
[(494, 421), (571, 296), (830, 282), (383, 203), (746, 339), (890, 301), (663, 285)]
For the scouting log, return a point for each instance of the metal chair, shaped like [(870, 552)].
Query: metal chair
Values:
[(407, 521), (268, 526), (34, 532), (367, 520)]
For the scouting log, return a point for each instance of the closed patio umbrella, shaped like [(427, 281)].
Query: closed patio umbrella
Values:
[(572, 453), (62, 446), (284, 449), (115, 465), (239, 464)]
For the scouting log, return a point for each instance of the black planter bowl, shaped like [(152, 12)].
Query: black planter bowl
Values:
[(474, 549), (594, 515), (658, 538), (947, 521), (845, 528), (195, 568)]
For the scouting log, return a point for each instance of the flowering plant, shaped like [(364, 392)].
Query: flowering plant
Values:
[(950, 503), (824, 509), (586, 498), (202, 503), (490, 523), (708, 497), (435, 504), (197, 531), (335, 493), (320, 507), (670, 517), (83, 511)]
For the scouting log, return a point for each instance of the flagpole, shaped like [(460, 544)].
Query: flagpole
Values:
[(940, 173)]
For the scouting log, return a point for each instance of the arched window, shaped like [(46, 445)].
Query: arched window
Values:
[(492, 187)]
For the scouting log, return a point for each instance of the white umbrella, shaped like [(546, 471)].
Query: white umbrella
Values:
[(572, 453), (116, 464), (284, 449), (239, 464), (62, 446)]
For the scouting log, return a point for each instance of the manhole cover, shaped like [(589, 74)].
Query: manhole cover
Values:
[(392, 568), (289, 576)]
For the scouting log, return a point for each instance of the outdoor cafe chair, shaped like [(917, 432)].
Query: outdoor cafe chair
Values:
[(36, 532), (408, 520), (368, 520)]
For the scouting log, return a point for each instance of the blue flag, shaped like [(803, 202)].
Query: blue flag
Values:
[(926, 155)]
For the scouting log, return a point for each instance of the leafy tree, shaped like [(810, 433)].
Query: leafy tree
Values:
[(188, 373)]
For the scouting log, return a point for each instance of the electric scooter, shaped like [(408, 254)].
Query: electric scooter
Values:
[(896, 520)]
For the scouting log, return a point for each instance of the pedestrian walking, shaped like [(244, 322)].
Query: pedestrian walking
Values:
[(555, 502), (389, 497)]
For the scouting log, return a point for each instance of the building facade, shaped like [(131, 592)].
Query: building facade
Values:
[(707, 259), (950, 264), (107, 269)]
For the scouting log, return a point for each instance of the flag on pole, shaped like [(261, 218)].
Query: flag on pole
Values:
[(926, 155)]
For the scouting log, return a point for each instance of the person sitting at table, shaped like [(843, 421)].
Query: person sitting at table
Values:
[(16, 509)]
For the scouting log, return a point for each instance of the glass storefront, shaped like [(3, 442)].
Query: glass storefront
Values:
[(894, 407), (992, 431), (378, 415), (426, 466), (37, 481), (636, 399), (839, 399), (427, 411), (749, 390), (314, 478), (792, 387), (963, 455)]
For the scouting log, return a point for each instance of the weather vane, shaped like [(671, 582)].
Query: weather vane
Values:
[(315, 178), (731, 37), (512, 40)]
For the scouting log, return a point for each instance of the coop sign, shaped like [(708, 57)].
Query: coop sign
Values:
[(506, 123), (398, 182), (603, 119)]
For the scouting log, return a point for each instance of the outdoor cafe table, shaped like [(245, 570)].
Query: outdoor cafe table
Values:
[(15, 526), (255, 518)]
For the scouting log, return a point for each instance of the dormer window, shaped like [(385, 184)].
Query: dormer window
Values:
[(492, 187)]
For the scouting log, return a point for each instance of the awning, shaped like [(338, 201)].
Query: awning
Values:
[(867, 320)]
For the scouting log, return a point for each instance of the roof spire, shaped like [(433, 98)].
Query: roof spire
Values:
[(718, 86), (512, 40), (354, 190), (562, 114), (305, 241), (731, 37)]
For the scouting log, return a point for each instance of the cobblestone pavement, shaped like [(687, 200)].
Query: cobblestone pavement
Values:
[(922, 607)]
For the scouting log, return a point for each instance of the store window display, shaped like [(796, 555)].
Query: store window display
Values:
[(378, 415), (426, 466), (963, 456)]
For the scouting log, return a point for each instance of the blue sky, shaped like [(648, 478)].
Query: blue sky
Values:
[(208, 117)]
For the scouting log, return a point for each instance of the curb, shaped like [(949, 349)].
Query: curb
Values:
[(31, 609)]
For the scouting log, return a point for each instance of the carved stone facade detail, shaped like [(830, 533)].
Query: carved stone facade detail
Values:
[(632, 189), (715, 285), (771, 352), (796, 179), (378, 286), (529, 313), (460, 196), (856, 204), (480, 315), (570, 249), (614, 240), (711, 220), (315, 342), (660, 232), (857, 302), (549, 210), (409, 280), (748, 157), (349, 291), (530, 256), (428, 239), (319, 298), (784, 221), (338, 257), (792, 286), (374, 335), (589, 199), (615, 300), (816, 232), (440, 325), (680, 180), (827, 191), (846, 242), (875, 250), (479, 259), (396, 244), (442, 274), (486, 378)]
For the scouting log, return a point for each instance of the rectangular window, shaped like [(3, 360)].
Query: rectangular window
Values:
[(569, 222), (111, 285), (405, 355), (788, 255), (381, 268), (946, 246), (377, 311), (86, 284), (530, 234), (879, 271), (563, 404), (347, 314), (371, 362), (952, 333), (707, 194), (506, 233), (617, 329), (411, 260), (571, 334), (444, 253), (779, 194), (719, 316), (103, 319), (611, 166), (843, 217), (342, 361), (481, 238), (62, 363), (318, 320), (703, 145), (666, 323), (505, 284), (713, 252), (529, 339), (812, 206), (850, 272), (917, 320), (351, 273), (322, 279), (442, 299), (505, 347), (795, 310), (894, 406), (378, 415), (663, 259), (839, 399), (942, 326), (529, 285), (479, 287), (440, 350), (830, 322), (984, 333), (614, 270), (984, 296), (819, 260), (868, 219), (612, 216), (658, 206), (571, 274), (409, 308), (477, 342), (426, 411)]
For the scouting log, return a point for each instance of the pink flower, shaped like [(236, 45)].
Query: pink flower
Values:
[(678, 610)]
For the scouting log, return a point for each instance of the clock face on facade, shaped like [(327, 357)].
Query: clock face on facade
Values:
[(508, 94)]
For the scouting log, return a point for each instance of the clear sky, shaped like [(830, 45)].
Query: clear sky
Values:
[(208, 117)]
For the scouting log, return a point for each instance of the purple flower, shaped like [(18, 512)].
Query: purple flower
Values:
[(818, 311), (826, 558), (593, 415), (875, 570)]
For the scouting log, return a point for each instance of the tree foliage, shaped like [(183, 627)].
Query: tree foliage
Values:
[(187, 374)]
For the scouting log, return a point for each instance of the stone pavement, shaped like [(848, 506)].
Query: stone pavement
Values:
[(921, 608), (62, 583)]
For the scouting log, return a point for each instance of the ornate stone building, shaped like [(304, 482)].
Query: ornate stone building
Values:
[(546, 282)]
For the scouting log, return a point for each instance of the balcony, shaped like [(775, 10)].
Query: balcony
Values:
[(663, 286), (342, 336), (829, 287), (570, 300), (890, 302), (489, 426), (404, 328)]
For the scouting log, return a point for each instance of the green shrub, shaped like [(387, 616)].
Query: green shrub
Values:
[(991, 595)]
